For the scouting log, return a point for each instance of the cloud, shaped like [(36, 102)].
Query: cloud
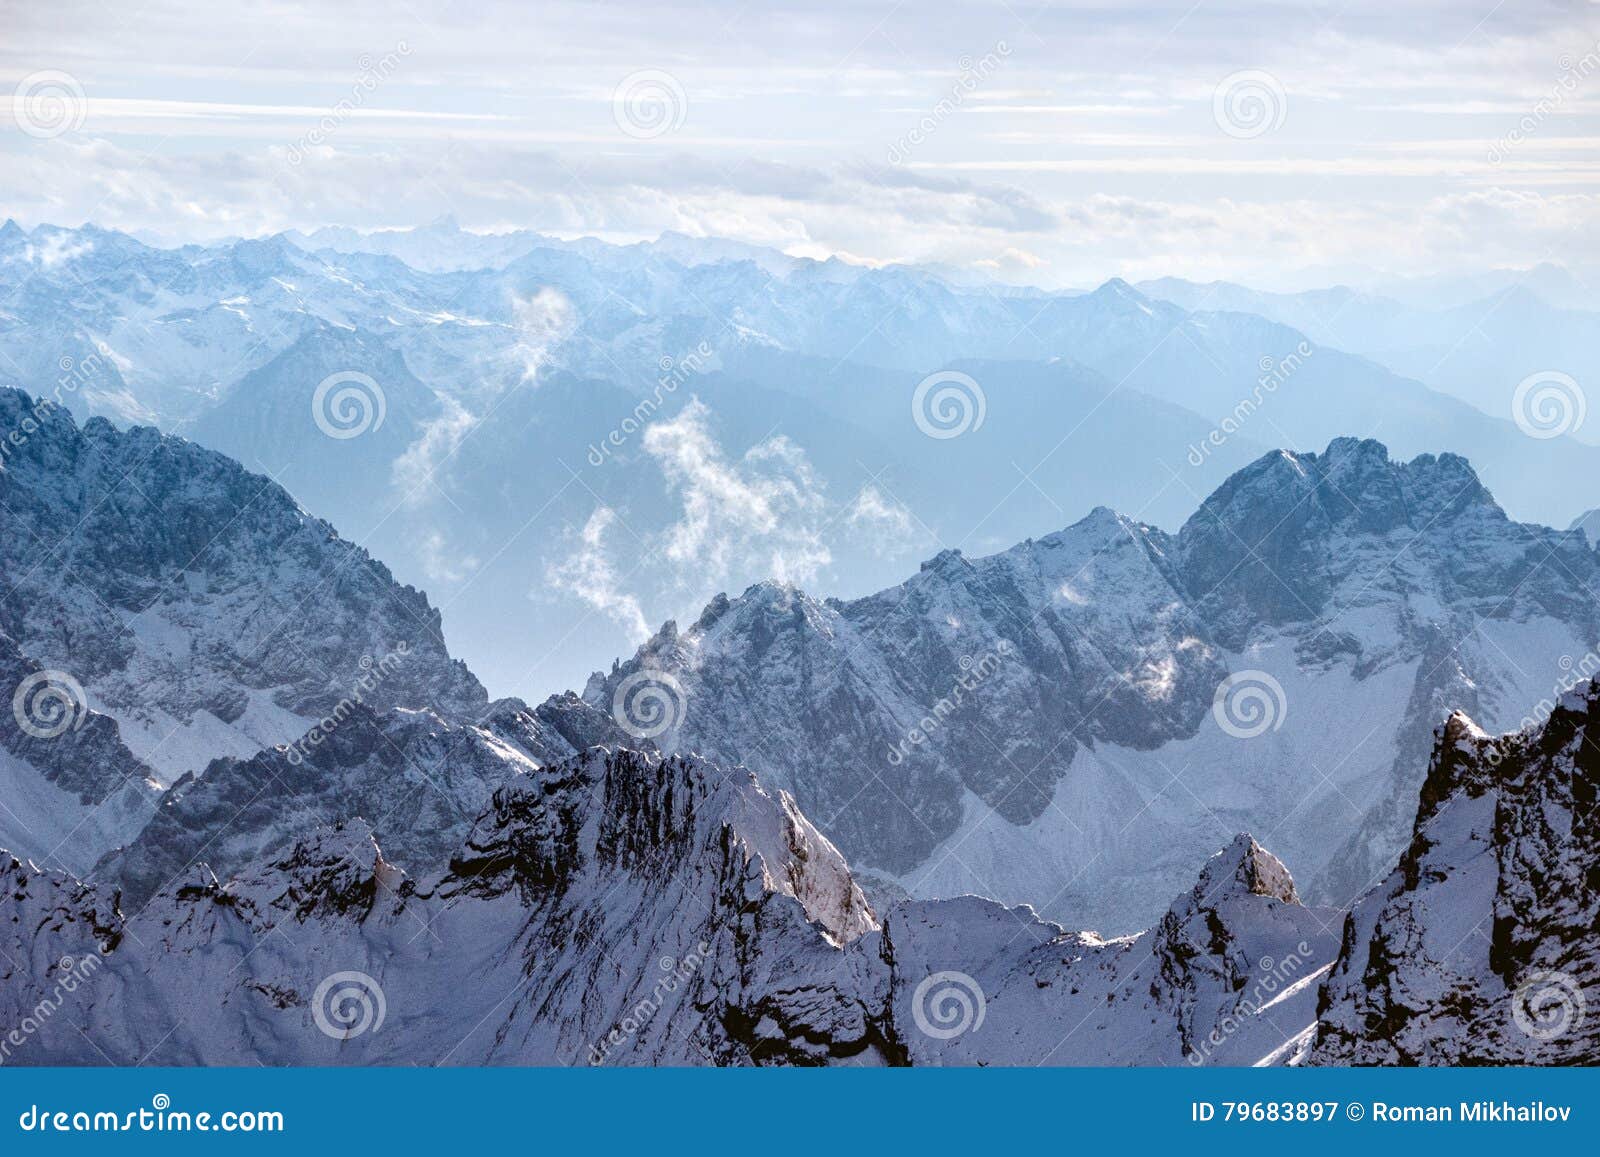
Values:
[(886, 520), (441, 563), (762, 511), (543, 321), (415, 472), (197, 125), (589, 574), (761, 515)]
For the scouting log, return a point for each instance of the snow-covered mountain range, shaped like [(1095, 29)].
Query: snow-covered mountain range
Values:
[(624, 908), (1074, 722), (495, 370), (619, 908), (797, 830)]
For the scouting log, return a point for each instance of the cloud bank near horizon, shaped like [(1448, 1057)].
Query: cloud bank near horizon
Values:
[(1052, 146)]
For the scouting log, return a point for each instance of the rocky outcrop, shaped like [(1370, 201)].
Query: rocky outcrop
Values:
[(1227, 977), (1013, 725), (1480, 946), (197, 603), (621, 908)]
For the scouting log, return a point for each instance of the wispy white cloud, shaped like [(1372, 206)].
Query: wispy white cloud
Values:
[(415, 472), (885, 520), (544, 319), (761, 511), (589, 574), (441, 563)]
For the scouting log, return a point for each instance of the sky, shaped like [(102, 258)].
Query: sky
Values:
[(1283, 144)]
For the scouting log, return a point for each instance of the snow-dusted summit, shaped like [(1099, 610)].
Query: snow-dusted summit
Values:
[(1074, 722)]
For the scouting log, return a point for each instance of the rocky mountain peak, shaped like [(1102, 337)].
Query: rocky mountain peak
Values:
[(1244, 867), (1478, 948), (202, 608)]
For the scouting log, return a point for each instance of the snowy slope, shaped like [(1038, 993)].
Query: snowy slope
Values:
[(619, 908), (1479, 947), (586, 889), (196, 603), (70, 789), (1044, 725)]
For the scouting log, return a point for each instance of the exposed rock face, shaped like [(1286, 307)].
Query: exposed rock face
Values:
[(197, 604), (826, 695), (77, 750), (616, 908), (1263, 550), (421, 779), (622, 907), (1013, 725), (1228, 976), (1481, 947), (69, 788)]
